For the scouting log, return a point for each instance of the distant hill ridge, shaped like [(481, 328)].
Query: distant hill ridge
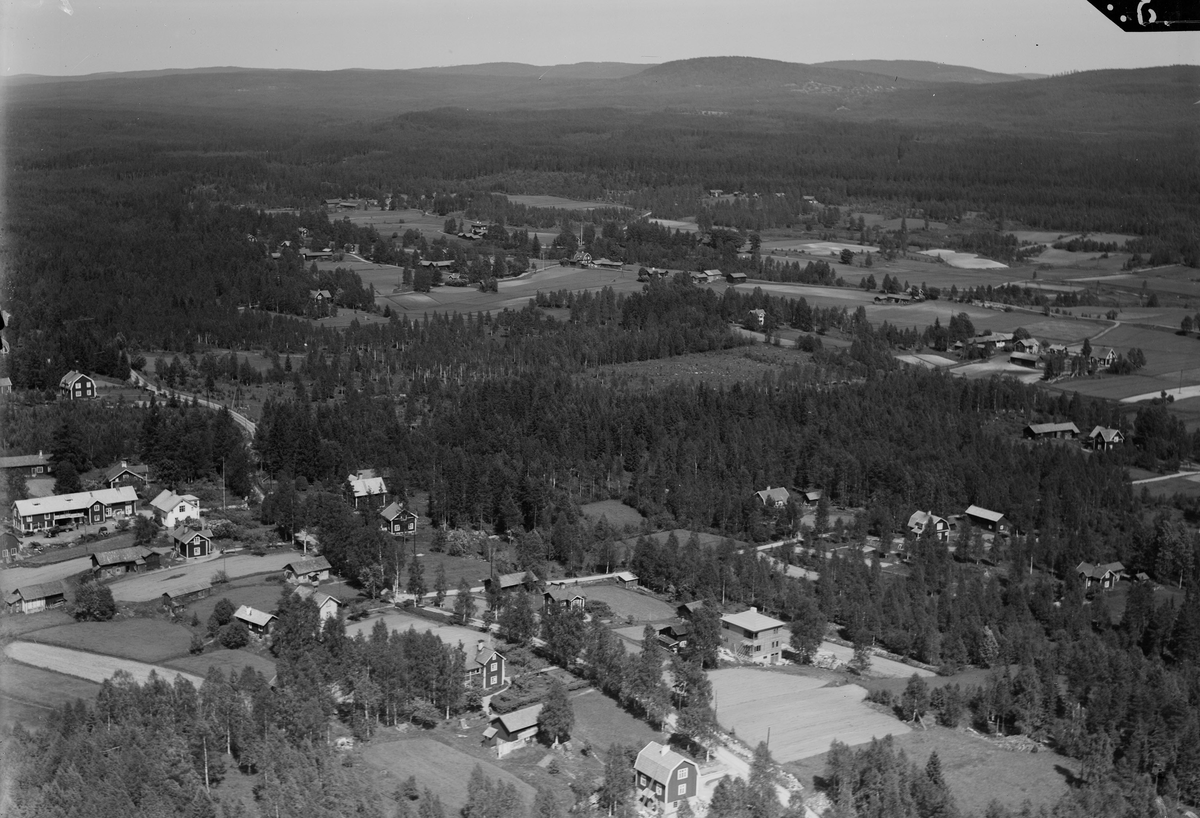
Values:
[(923, 71), (578, 71), (755, 72)]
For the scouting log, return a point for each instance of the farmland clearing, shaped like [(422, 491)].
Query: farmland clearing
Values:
[(91, 666), (965, 261), (144, 640), (441, 768), (802, 714), (399, 622), (976, 769)]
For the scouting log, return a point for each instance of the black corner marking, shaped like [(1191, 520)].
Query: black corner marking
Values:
[(1151, 15)]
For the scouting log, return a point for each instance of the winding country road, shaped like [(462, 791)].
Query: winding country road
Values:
[(139, 380)]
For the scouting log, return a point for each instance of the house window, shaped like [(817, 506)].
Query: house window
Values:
[(682, 774), (758, 648), (658, 789)]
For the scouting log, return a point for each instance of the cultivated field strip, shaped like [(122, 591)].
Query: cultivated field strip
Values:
[(91, 666), (802, 715)]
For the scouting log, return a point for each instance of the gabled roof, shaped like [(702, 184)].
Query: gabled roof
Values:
[(692, 607), (626, 576), (1098, 571), (812, 495), (1106, 434), (254, 616), (522, 719), (658, 762), (319, 597), (564, 594), (480, 659), (184, 534), (514, 579), (191, 588), (311, 565), (752, 621), (394, 510), (924, 518), (118, 556), (773, 495), (984, 514), (167, 500), (1023, 356), (72, 502), (1050, 428), (69, 379), (366, 484), (113, 472), (41, 590), (21, 461)]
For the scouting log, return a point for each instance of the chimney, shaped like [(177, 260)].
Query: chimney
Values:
[(753, 609), (479, 646), (663, 749)]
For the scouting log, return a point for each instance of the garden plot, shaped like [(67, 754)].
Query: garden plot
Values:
[(964, 261), (451, 635), (803, 716)]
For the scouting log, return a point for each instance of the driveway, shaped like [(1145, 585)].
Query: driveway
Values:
[(12, 578)]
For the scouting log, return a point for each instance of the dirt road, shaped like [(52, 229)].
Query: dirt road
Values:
[(94, 667)]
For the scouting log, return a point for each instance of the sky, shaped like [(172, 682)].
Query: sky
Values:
[(73, 37)]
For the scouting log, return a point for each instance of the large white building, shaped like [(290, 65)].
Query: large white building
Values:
[(171, 509), (80, 508)]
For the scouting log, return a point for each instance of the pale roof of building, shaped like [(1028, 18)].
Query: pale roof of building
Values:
[(254, 616), (308, 566), (924, 518), (319, 597), (751, 621), (134, 554), (367, 486), (658, 762), (394, 510), (167, 500), (1105, 433), (184, 534), (773, 495), (984, 514), (564, 594), (20, 461), (1050, 428), (522, 719), (40, 590), (192, 588), (59, 503)]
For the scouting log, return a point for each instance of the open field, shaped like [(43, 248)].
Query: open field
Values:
[(449, 634), (976, 770), (91, 666), (615, 512), (530, 200), (146, 640), (722, 367), (19, 625), (254, 592), (443, 769), (1186, 486), (514, 293), (880, 665), (965, 261), (1166, 353), (226, 660), (601, 722), (803, 715), (27, 693), (388, 222), (642, 607)]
